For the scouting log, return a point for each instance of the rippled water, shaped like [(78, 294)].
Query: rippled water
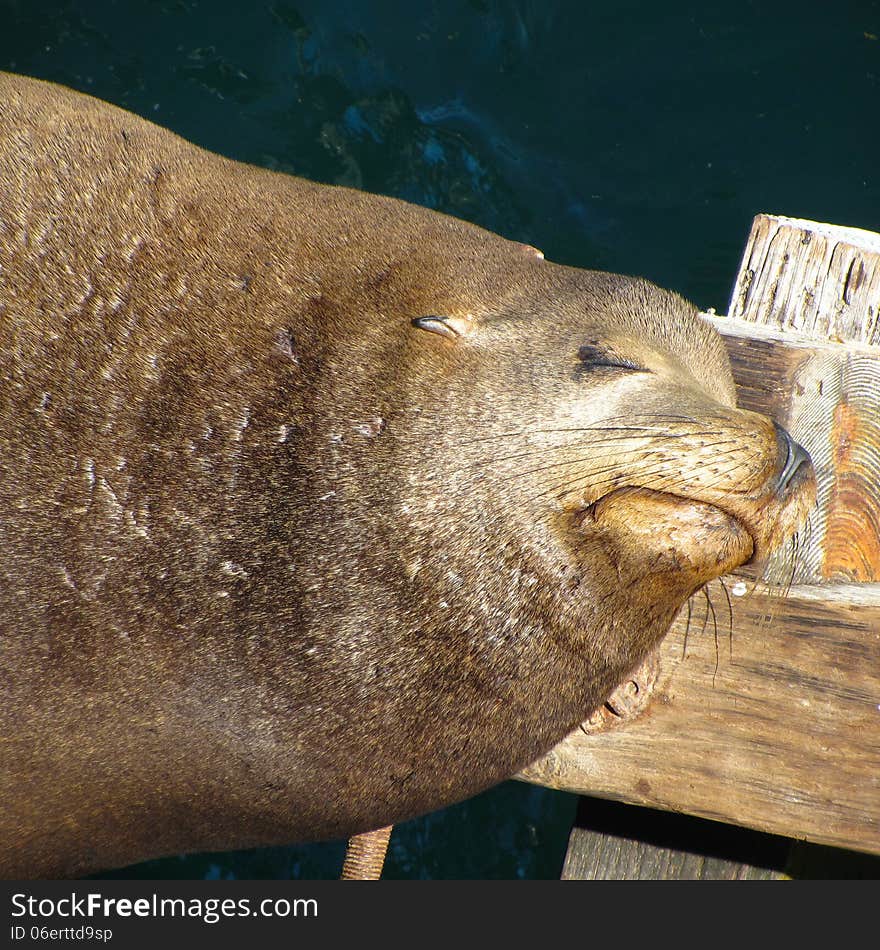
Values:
[(637, 137)]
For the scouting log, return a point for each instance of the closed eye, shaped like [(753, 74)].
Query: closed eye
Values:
[(594, 356)]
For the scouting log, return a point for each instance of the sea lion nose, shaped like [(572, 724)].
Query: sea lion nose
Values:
[(797, 461)]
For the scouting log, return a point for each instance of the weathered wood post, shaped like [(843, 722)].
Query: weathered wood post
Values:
[(803, 283)]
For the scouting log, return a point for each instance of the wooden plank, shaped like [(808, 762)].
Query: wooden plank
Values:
[(776, 727), (593, 856), (610, 841)]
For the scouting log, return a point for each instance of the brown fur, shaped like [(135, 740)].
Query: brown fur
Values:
[(279, 565)]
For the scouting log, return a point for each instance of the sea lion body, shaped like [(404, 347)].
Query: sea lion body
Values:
[(279, 563)]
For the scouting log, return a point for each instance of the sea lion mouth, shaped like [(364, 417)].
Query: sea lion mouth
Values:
[(672, 532), (710, 536)]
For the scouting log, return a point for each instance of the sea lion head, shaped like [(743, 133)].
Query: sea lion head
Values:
[(592, 420)]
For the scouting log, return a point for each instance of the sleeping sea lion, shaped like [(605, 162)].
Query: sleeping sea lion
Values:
[(321, 510)]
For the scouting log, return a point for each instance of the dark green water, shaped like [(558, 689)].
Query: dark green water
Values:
[(632, 136)]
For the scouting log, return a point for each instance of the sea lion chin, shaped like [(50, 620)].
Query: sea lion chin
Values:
[(322, 510)]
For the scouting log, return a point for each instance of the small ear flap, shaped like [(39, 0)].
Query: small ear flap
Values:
[(450, 327)]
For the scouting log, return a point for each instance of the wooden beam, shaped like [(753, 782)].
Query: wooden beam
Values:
[(610, 841), (775, 726)]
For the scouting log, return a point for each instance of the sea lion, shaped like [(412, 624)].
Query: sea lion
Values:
[(322, 510)]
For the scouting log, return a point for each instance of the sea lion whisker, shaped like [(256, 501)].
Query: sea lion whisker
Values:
[(572, 462), (643, 478), (711, 607), (607, 423), (725, 474), (795, 553), (728, 445), (790, 563), (687, 627), (729, 614), (566, 486), (543, 449), (480, 465), (794, 557), (658, 418), (805, 536), (706, 615), (588, 475), (521, 432), (600, 426), (732, 443)]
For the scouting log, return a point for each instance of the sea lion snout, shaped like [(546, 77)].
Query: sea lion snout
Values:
[(649, 443), (797, 465), (777, 511)]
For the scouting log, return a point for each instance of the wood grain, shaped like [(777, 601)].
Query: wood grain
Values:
[(776, 728), (828, 397)]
